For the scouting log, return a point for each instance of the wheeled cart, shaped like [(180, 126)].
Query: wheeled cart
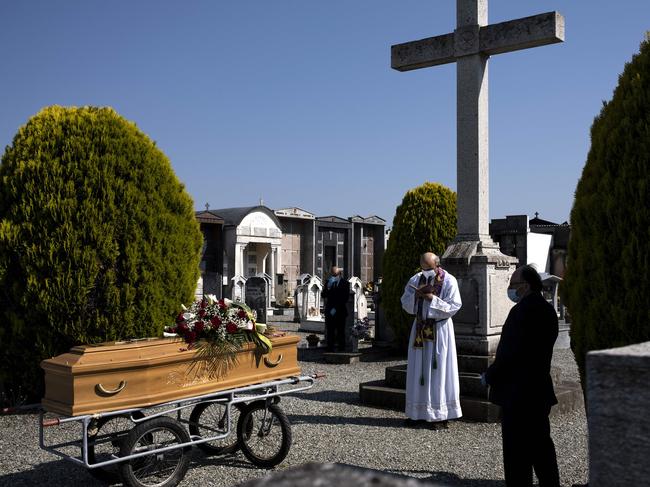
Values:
[(150, 446)]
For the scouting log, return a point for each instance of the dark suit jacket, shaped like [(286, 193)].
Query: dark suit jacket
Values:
[(337, 297), (520, 375)]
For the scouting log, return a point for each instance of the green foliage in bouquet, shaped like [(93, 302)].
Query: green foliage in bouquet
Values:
[(425, 221), (218, 329), (606, 285), (98, 239)]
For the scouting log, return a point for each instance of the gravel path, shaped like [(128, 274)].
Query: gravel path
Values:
[(329, 425)]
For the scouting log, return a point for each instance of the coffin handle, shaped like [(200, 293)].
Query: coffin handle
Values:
[(270, 364), (103, 390)]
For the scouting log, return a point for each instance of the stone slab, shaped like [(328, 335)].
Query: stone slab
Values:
[(335, 475), (618, 395), (342, 357), (312, 326)]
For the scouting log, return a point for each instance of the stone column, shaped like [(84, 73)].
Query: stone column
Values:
[(273, 272)]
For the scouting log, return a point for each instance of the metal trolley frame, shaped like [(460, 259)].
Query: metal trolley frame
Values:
[(139, 449)]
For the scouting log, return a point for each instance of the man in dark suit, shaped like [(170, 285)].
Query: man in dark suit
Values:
[(520, 382), (337, 292)]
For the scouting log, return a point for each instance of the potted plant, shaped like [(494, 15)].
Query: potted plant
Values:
[(312, 340)]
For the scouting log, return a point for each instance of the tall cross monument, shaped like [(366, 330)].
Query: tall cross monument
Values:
[(482, 270)]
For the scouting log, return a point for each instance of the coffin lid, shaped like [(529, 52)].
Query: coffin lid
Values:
[(120, 355)]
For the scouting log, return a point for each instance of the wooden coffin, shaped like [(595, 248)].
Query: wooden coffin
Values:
[(121, 375)]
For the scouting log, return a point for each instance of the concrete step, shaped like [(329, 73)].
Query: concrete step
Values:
[(378, 394), (470, 383)]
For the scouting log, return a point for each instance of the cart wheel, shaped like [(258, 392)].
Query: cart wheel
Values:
[(264, 434), (117, 427), (164, 469), (208, 419)]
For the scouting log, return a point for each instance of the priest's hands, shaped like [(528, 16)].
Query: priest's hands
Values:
[(425, 291)]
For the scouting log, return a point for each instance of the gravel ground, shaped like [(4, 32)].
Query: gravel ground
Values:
[(329, 425)]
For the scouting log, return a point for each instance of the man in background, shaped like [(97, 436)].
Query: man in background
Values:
[(337, 292)]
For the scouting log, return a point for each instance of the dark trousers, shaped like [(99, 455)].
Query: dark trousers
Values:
[(335, 331), (527, 445)]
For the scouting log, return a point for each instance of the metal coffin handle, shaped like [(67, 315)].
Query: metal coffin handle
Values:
[(270, 364), (109, 392)]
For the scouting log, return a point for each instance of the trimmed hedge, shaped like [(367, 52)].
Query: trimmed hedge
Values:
[(98, 239), (606, 287), (425, 221)]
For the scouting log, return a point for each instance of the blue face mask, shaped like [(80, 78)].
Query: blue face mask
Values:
[(512, 294)]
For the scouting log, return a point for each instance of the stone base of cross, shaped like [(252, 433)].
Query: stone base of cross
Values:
[(482, 271)]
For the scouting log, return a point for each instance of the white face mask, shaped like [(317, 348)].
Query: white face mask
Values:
[(512, 294), (429, 273)]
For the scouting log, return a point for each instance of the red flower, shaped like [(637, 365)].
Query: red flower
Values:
[(231, 327), (171, 329), (216, 321), (190, 337), (181, 328), (241, 313), (222, 304), (180, 318), (199, 326), (203, 303), (201, 313)]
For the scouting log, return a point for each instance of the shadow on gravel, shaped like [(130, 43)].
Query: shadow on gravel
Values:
[(58, 473), (451, 479), (345, 397), (338, 420)]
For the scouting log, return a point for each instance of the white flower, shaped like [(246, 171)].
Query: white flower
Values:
[(188, 316), (211, 298), (227, 301)]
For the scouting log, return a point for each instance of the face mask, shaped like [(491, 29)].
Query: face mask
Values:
[(429, 273), (512, 294)]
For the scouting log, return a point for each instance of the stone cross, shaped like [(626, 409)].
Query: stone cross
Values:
[(470, 46)]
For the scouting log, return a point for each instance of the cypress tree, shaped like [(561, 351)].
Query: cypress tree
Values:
[(606, 285), (425, 221), (98, 239)]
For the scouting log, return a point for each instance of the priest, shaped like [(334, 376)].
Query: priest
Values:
[(432, 385)]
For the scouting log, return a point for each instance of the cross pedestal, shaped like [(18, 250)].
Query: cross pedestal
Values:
[(473, 258)]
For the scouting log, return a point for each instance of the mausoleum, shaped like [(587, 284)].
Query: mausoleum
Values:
[(280, 245)]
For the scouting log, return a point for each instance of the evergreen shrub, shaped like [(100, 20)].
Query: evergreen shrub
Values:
[(98, 239), (607, 284), (425, 221)]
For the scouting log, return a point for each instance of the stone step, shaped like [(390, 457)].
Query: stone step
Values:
[(378, 394), (470, 383), (474, 363)]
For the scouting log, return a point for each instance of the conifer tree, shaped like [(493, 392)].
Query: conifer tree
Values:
[(607, 282), (98, 239), (425, 221)]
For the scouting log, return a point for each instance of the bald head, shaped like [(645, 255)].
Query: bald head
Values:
[(429, 260)]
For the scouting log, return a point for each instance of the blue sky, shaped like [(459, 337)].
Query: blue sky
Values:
[(295, 101)]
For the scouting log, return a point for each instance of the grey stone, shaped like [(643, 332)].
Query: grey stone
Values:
[(334, 475), (618, 395), (256, 297)]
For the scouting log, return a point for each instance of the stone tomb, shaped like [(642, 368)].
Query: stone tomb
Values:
[(617, 413), (310, 315), (239, 289), (256, 297), (357, 288)]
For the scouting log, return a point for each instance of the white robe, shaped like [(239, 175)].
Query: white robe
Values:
[(439, 398)]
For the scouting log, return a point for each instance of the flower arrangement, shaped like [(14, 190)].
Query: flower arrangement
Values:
[(218, 329), (361, 329)]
